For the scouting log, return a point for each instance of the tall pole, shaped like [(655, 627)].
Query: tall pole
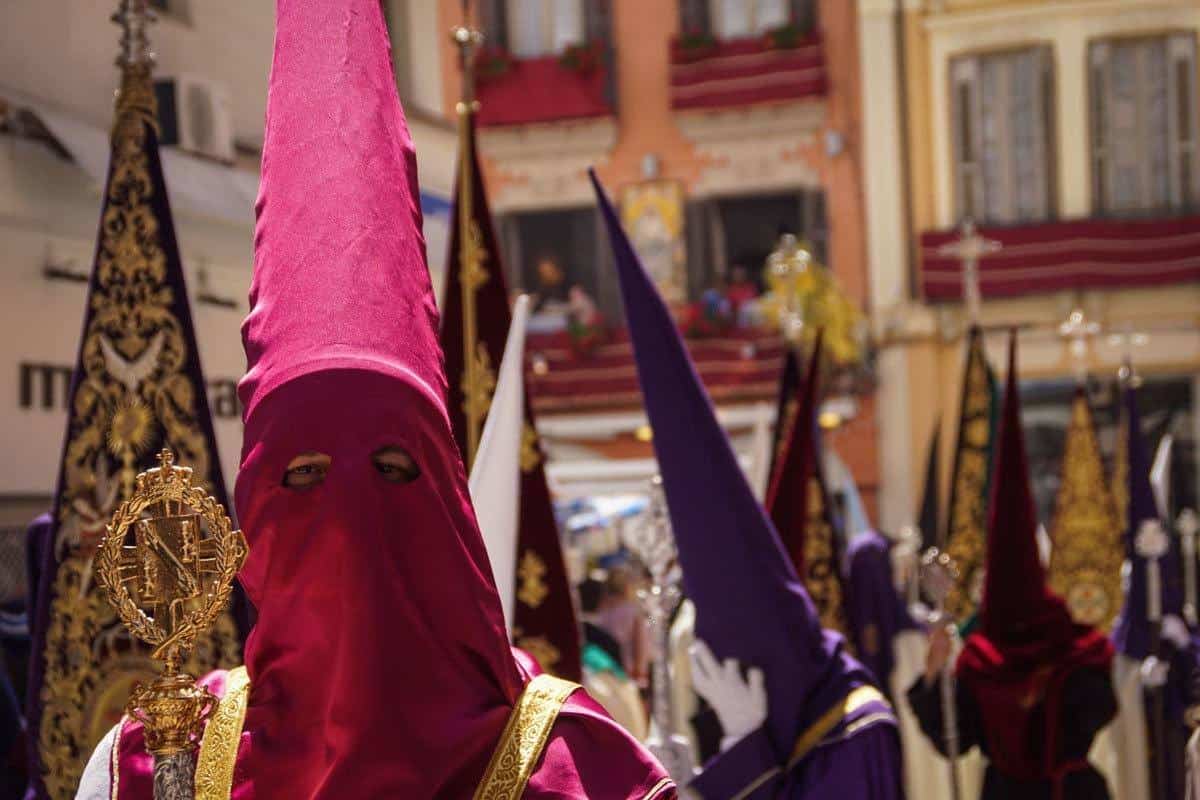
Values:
[(1151, 544), (476, 386), (1188, 524)]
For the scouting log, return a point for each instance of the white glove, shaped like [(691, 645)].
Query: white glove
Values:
[(1154, 673), (740, 703), (1175, 631)]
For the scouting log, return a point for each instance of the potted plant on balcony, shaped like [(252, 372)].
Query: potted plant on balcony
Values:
[(694, 45), (581, 58), (786, 37), (492, 63)]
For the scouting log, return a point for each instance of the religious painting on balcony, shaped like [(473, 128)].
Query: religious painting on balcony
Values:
[(652, 215)]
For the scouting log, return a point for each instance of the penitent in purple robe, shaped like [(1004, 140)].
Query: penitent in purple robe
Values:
[(876, 610), (829, 731)]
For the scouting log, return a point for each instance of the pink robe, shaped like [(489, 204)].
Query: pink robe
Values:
[(587, 756)]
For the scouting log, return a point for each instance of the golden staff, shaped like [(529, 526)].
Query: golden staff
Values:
[(477, 379), (169, 583)]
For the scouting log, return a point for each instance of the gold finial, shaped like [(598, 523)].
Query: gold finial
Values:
[(136, 103), (134, 18), (168, 586)]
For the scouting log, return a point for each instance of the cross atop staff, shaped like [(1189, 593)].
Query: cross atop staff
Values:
[(1078, 331), (969, 248)]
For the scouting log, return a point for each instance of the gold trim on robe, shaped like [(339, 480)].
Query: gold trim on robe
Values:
[(524, 738)]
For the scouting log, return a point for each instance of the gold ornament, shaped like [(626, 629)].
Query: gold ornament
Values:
[(803, 297), (1085, 563), (968, 520), (531, 571), (168, 587), (821, 563), (134, 360)]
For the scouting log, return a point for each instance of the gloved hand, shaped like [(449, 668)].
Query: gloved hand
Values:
[(740, 703), (1154, 672), (1175, 631)]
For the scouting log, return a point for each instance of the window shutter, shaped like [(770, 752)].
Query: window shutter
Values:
[(968, 136), (804, 14), (608, 290), (1182, 119), (597, 16), (699, 247), (493, 21), (694, 17), (1100, 67)]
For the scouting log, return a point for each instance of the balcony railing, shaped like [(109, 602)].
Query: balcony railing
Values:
[(742, 366), (778, 66), (575, 84), (1054, 256)]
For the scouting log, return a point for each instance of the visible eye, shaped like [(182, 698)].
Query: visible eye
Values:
[(395, 465), (306, 470)]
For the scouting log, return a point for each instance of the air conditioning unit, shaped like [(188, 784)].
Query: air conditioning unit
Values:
[(196, 115)]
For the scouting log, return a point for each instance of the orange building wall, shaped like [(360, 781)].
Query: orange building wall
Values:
[(646, 124)]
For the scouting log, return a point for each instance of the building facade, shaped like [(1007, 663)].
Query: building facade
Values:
[(1067, 131), (736, 121)]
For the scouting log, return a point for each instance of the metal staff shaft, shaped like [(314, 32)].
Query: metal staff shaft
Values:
[(1158, 719), (950, 722), (938, 575)]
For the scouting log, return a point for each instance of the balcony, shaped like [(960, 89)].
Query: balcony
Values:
[(782, 65), (573, 85), (1055, 256), (742, 366)]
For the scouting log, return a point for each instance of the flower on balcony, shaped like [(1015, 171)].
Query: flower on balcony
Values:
[(694, 45), (581, 58), (492, 63)]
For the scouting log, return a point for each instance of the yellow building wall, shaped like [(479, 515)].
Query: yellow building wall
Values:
[(935, 359)]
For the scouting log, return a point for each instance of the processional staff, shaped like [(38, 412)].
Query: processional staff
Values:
[(970, 248), (167, 563), (1188, 524), (938, 576), (652, 541), (1151, 543), (477, 380)]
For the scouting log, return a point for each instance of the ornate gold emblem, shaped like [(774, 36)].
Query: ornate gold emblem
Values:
[(968, 514), (531, 572), (168, 586), (820, 563), (531, 454), (546, 654), (1085, 563), (133, 391)]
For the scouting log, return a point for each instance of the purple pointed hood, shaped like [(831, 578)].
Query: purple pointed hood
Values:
[(750, 604)]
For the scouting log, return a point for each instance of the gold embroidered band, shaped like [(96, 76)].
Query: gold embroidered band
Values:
[(524, 738), (219, 746)]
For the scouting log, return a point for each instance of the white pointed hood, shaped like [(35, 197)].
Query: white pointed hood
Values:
[(496, 473)]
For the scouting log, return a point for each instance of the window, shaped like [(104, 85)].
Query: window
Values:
[(734, 19), (533, 28), (546, 253), (1144, 126), (731, 232), (1003, 121)]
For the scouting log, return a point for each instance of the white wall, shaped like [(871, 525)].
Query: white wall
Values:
[(63, 51), (60, 54)]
